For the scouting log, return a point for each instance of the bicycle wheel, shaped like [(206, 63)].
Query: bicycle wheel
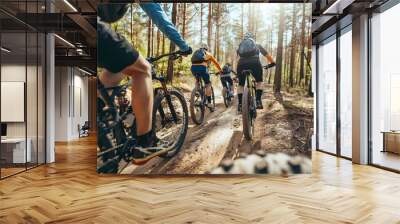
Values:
[(170, 120), (109, 138), (247, 117), (197, 106), (212, 99), (225, 97)]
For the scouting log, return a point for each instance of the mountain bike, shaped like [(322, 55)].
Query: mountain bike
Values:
[(198, 101), (227, 94), (117, 125), (249, 111)]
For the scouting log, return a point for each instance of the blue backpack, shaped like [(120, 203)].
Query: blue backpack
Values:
[(248, 48), (226, 69), (199, 56)]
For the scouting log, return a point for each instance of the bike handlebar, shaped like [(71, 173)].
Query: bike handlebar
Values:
[(174, 55), (269, 66), (214, 73)]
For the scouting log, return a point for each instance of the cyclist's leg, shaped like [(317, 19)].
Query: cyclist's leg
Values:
[(117, 56), (242, 80), (206, 78), (257, 72), (230, 82), (195, 73), (142, 93), (223, 83)]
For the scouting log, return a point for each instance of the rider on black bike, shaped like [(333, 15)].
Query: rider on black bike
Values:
[(249, 52), (227, 78), (201, 58), (118, 58)]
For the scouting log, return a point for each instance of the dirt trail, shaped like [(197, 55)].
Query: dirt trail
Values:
[(280, 127)]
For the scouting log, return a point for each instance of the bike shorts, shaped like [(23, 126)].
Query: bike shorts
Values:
[(252, 64), (201, 71), (225, 80), (114, 52)]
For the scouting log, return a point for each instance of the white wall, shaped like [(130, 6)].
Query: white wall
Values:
[(71, 102)]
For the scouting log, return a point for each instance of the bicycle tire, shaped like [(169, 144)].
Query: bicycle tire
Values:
[(108, 137), (212, 99), (177, 145), (246, 114), (192, 107), (225, 97)]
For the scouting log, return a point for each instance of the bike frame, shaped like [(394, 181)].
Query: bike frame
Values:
[(167, 95), (129, 139), (200, 84)]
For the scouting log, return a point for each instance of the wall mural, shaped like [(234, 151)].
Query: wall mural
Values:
[(204, 88)]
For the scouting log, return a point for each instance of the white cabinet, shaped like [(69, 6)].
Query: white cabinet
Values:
[(17, 148)]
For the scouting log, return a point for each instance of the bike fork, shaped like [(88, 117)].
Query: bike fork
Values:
[(171, 108)]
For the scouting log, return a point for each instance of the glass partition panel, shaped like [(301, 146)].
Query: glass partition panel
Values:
[(327, 96), (346, 94), (15, 151), (385, 89)]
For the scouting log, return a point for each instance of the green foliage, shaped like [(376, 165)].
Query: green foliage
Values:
[(230, 20)]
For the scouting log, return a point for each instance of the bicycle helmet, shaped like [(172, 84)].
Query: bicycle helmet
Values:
[(111, 13), (249, 35), (204, 46)]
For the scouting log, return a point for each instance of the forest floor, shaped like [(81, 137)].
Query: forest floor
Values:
[(284, 125)]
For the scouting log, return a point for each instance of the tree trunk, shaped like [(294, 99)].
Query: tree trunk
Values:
[(209, 25), (158, 42), (163, 36), (184, 21), (163, 45), (131, 23), (152, 39), (170, 69), (217, 22), (285, 58), (250, 19), (303, 27), (278, 71), (309, 48), (242, 23), (293, 48), (309, 53), (149, 38), (201, 23), (271, 48)]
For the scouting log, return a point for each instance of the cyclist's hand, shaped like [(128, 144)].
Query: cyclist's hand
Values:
[(270, 65), (187, 52), (150, 59)]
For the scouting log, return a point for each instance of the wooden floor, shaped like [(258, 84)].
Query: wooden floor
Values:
[(70, 191), (387, 159)]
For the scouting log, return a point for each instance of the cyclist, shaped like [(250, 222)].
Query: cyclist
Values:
[(201, 59), (227, 78), (249, 59), (118, 58)]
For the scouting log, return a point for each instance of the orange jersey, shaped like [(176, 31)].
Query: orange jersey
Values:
[(209, 58)]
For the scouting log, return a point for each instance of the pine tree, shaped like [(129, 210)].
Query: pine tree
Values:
[(170, 68), (278, 71)]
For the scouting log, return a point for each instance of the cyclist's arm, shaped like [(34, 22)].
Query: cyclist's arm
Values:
[(266, 55), (211, 58), (158, 16)]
